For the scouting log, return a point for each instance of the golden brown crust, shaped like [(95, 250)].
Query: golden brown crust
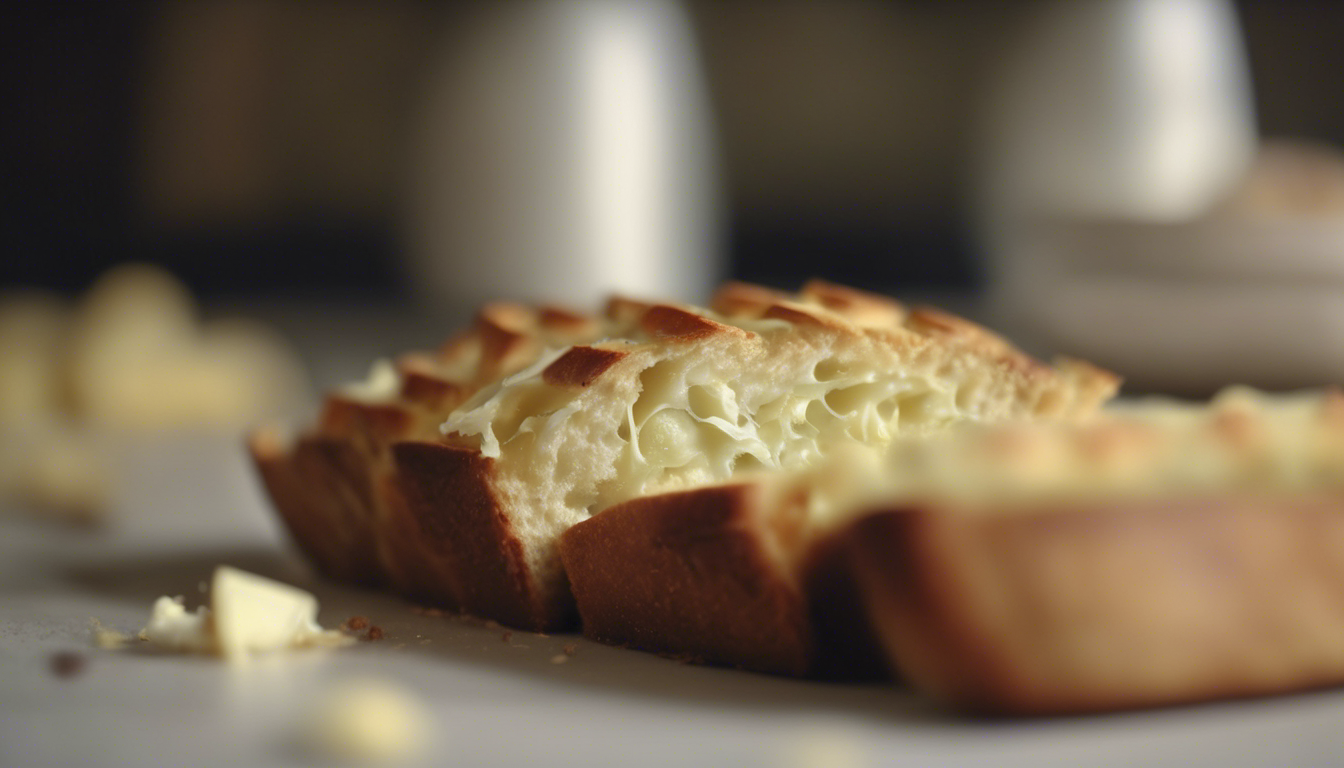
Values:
[(449, 495), (625, 312), (414, 568), (707, 584), (725, 575), (365, 422), (431, 392), (580, 365), (1112, 606), (801, 315), (667, 322), (332, 521), (508, 340), (737, 299), (566, 324), (298, 506), (860, 307)]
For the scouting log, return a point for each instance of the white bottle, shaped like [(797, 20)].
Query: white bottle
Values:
[(1125, 109), (1105, 116), (564, 153)]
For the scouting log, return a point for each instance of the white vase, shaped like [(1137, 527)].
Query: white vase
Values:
[(564, 152)]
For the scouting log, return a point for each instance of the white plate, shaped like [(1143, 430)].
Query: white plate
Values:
[(1189, 307), (1216, 249), (496, 699)]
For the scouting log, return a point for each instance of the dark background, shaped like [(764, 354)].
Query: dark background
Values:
[(209, 138)]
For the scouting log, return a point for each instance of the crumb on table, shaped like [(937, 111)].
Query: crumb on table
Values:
[(67, 664)]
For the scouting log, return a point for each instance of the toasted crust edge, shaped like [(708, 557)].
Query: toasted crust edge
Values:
[(708, 585), (922, 575), (448, 493)]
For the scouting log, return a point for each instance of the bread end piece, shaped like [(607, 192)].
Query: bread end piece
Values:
[(313, 483), (1108, 606)]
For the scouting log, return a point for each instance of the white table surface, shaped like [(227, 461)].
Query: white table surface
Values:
[(186, 504)]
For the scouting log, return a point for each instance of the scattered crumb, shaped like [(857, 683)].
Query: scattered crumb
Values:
[(506, 636), (107, 638), (375, 633), (371, 721), (541, 634), (430, 612), (59, 474), (492, 624), (560, 658), (823, 748), (570, 649), (356, 623), (67, 664)]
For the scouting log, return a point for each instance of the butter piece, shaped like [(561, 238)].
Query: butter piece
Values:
[(252, 614), (247, 614)]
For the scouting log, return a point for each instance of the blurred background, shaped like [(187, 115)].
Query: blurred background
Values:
[(368, 154)]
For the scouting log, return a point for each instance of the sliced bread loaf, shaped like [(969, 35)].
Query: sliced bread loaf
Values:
[(688, 398)]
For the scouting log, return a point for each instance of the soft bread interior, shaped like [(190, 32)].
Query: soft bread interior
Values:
[(561, 425), (738, 395), (1243, 442)]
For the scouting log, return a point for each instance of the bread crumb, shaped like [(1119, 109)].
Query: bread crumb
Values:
[(107, 638), (570, 649), (375, 633), (421, 610), (356, 623), (370, 721), (559, 658), (506, 636), (823, 748), (67, 664)]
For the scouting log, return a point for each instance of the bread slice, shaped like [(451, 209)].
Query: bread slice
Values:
[(1122, 565), (688, 398), (747, 573), (1155, 556), (334, 485)]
